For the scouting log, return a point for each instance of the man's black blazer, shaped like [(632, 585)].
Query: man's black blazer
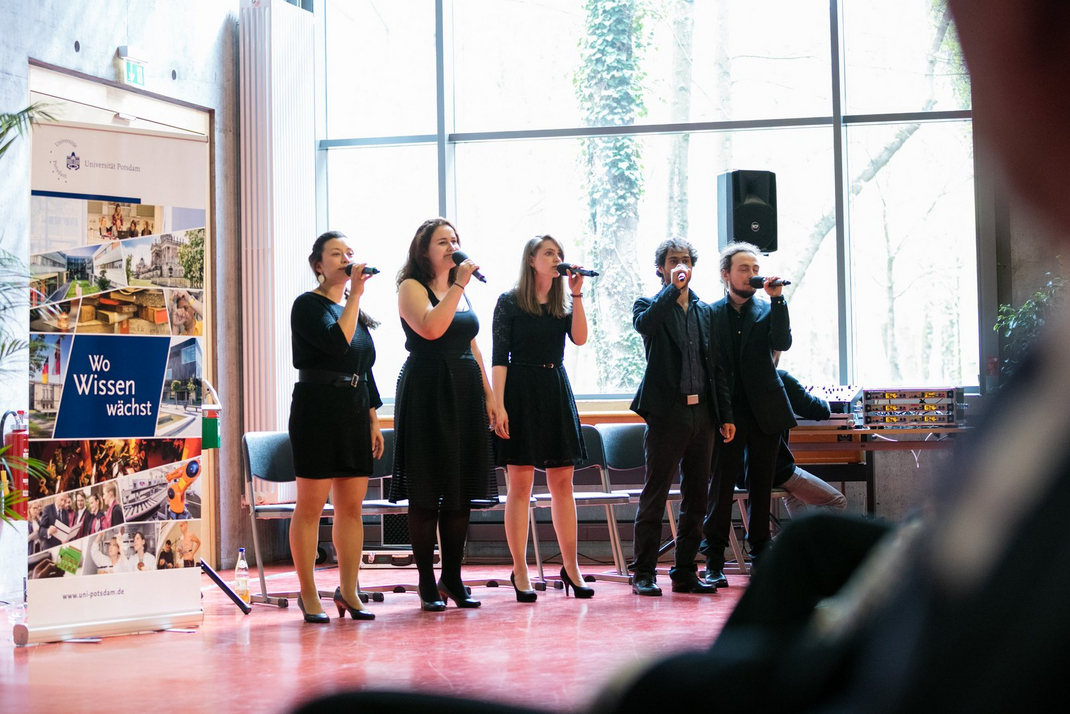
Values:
[(766, 328), (660, 388)]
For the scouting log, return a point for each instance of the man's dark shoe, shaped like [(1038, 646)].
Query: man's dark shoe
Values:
[(693, 585), (716, 578), (645, 585)]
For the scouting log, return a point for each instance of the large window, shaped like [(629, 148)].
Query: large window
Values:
[(605, 124)]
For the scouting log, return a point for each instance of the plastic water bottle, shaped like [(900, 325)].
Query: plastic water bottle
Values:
[(241, 576)]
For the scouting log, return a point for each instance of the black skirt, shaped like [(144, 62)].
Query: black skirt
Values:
[(544, 428), (442, 445), (330, 431)]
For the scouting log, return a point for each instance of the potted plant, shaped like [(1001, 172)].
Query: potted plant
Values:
[(14, 299), (1020, 327)]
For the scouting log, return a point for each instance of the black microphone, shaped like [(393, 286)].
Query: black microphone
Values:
[(368, 270), (758, 282), (563, 270), (459, 257)]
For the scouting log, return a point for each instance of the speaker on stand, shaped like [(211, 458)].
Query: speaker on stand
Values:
[(746, 209)]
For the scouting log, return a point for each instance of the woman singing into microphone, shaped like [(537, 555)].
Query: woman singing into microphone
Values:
[(538, 423), (442, 452), (334, 429)]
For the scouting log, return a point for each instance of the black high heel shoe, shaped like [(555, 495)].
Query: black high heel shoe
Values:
[(320, 618), (523, 595), (343, 606), (465, 601), (582, 592), (434, 604)]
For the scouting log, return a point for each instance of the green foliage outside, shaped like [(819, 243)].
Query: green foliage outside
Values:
[(609, 87)]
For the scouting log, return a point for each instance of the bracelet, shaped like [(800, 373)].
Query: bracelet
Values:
[(458, 285), (577, 295)]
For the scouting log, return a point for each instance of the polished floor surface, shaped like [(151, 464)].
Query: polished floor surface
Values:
[(556, 654)]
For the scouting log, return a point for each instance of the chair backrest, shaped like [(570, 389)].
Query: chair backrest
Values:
[(590, 474), (625, 453), (384, 467), (268, 456)]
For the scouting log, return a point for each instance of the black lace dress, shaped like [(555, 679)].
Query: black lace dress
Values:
[(544, 428), (442, 445), (330, 428)]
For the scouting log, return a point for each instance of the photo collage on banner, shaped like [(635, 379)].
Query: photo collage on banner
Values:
[(116, 370)]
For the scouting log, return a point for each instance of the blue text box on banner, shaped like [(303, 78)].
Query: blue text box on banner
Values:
[(113, 387)]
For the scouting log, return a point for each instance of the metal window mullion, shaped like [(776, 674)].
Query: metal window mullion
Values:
[(844, 309), (319, 15), (447, 194)]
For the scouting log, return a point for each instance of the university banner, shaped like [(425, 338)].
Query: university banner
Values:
[(115, 386)]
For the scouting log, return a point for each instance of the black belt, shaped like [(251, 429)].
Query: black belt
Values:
[(549, 365), (691, 400), (323, 376)]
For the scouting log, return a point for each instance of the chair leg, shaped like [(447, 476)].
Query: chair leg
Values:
[(672, 520), (264, 598), (615, 541), (533, 527)]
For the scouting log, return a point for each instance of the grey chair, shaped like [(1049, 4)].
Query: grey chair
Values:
[(591, 488), (268, 456), (626, 462)]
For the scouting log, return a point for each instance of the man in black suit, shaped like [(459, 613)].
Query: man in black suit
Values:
[(748, 332), (683, 398)]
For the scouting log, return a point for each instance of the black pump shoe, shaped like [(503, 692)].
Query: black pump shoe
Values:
[(320, 618), (465, 601), (581, 591), (343, 606), (523, 595)]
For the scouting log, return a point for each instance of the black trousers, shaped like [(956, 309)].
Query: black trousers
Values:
[(681, 440), (755, 451)]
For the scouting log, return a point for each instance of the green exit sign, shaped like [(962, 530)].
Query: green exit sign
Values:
[(133, 72)]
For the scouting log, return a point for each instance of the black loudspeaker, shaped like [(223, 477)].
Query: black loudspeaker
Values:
[(746, 209)]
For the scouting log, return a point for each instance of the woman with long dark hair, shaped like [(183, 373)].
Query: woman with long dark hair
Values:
[(538, 425), (443, 412), (333, 428)]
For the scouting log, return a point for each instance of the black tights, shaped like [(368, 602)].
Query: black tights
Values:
[(453, 527)]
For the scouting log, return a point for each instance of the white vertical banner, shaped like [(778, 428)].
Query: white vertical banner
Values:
[(116, 371)]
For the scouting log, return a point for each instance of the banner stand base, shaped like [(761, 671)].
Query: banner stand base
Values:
[(26, 635)]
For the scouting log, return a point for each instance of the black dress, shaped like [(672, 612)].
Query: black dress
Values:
[(544, 427), (330, 428), (442, 445)]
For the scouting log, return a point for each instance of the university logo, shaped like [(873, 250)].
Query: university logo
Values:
[(73, 162)]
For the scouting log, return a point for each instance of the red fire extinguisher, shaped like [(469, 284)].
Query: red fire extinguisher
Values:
[(17, 442)]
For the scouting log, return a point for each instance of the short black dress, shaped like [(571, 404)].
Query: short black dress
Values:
[(544, 428), (330, 428), (442, 444)]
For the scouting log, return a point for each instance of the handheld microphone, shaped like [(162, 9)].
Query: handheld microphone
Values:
[(563, 270), (459, 257), (368, 270), (758, 282)]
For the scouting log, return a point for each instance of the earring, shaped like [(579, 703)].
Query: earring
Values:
[(320, 279)]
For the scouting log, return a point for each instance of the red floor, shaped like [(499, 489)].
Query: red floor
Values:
[(555, 654)]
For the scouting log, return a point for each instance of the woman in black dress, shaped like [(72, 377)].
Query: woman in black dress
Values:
[(443, 412), (334, 429), (538, 424)]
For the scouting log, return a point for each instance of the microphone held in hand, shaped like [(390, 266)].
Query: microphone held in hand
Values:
[(563, 270), (459, 257), (758, 282), (368, 270)]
